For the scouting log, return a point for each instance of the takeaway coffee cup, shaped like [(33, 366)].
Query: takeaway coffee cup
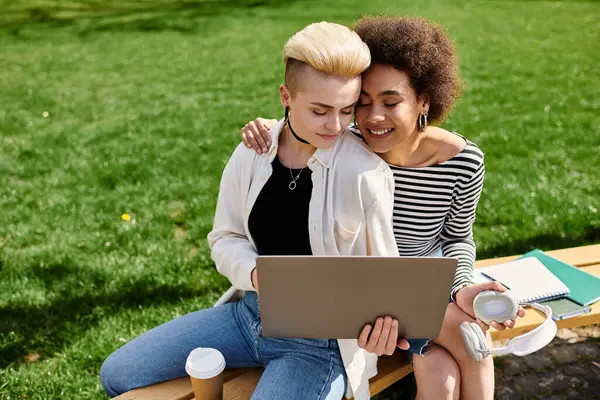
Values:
[(205, 367)]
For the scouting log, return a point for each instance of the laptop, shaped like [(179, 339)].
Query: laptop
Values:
[(335, 296)]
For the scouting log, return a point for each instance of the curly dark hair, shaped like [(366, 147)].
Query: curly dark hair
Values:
[(422, 50)]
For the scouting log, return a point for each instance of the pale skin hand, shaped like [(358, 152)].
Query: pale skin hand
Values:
[(466, 296), (382, 338), (254, 278), (255, 134)]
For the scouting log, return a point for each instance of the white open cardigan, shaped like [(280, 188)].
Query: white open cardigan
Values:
[(350, 213)]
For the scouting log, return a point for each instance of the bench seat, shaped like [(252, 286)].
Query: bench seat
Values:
[(240, 383)]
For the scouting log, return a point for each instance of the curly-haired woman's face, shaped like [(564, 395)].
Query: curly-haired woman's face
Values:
[(388, 108)]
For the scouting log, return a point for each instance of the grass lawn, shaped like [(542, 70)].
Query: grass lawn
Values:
[(109, 107)]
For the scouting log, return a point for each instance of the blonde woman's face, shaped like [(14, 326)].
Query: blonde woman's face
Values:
[(322, 108)]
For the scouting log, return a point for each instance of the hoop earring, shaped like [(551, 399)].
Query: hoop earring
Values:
[(422, 122)]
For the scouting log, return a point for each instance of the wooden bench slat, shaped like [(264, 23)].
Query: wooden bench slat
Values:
[(240, 383), (592, 269), (242, 387), (176, 389), (578, 256), (390, 370)]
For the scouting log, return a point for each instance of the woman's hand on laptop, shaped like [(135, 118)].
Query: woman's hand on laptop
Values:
[(382, 338), (465, 297), (255, 134)]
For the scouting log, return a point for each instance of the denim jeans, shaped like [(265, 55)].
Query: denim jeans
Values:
[(294, 368)]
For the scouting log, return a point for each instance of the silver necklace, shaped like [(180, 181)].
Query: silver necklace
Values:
[(293, 183)]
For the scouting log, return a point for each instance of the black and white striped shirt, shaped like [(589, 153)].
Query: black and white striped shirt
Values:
[(434, 208)]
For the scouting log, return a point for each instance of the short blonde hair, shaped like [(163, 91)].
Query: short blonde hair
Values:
[(327, 47)]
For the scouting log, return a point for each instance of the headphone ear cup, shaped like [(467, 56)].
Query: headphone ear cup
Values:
[(474, 340)]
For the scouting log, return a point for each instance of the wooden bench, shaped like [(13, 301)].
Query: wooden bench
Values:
[(240, 383)]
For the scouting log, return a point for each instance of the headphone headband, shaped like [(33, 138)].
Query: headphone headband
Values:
[(532, 341)]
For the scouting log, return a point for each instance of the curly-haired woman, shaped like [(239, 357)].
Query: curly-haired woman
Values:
[(413, 81)]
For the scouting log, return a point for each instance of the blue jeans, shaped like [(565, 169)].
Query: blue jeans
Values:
[(294, 368)]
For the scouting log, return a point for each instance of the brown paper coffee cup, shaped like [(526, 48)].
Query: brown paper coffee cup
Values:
[(205, 367), (208, 389)]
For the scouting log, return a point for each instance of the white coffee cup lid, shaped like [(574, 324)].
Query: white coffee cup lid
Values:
[(205, 363)]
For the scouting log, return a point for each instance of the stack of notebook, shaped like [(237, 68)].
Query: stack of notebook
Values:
[(538, 277)]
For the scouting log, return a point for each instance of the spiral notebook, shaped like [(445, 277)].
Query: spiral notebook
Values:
[(528, 278), (584, 287)]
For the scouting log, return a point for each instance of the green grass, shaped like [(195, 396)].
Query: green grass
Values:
[(145, 101)]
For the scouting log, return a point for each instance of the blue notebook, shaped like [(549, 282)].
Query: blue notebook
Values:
[(584, 288), (565, 308)]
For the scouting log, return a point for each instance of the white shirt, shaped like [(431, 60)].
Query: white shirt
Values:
[(350, 213)]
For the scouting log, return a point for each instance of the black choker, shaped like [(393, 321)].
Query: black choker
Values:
[(294, 133), (298, 138)]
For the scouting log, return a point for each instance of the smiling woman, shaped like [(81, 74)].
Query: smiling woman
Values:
[(413, 79)]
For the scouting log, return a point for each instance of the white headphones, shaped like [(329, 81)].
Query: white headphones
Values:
[(491, 306)]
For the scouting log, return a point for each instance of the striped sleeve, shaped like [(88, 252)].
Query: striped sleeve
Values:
[(457, 232)]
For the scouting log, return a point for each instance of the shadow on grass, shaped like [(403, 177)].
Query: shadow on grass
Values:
[(591, 235), (47, 329), (153, 15)]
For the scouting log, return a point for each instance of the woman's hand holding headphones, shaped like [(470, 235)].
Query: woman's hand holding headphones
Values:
[(465, 297)]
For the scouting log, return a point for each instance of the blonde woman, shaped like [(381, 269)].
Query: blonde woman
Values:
[(318, 192)]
